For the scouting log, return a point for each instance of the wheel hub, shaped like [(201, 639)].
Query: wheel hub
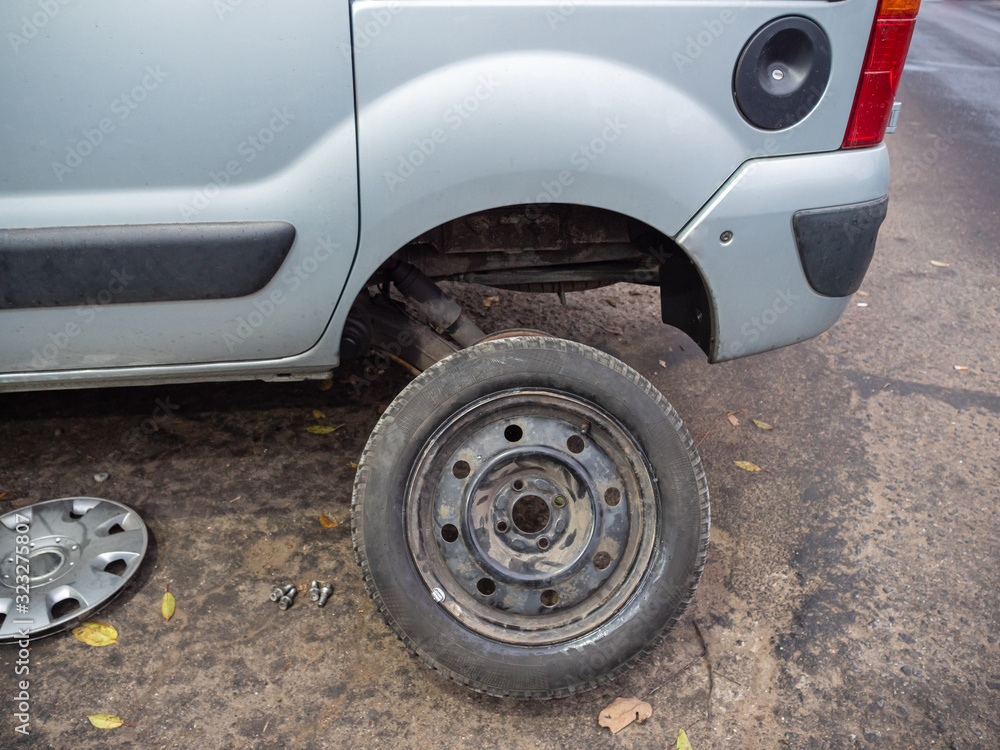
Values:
[(534, 511)]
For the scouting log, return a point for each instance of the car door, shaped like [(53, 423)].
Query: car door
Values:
[(178, 180)]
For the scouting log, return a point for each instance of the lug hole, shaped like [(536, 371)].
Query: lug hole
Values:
[(518, 485), (461, 469), (602, 560), (513, 433), (612, 496), (502, 527), (543, 543), (575, 444), (486, 586), (550, 598), (449, 532), (530, 514)]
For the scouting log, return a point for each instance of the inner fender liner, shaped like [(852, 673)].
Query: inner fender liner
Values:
[(836, 244)]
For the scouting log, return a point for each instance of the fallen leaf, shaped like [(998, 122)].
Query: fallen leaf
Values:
[(862, 294), (732, 419), (747, 466), (615, 330), (322, 429), (490, 301), (682, 741), (622, 712), (611, 302), (95, 633), (318, 414), (763, 425), (961, 367), (105, 721), (663, 363), (168, 606), (353, 464), (328, 523), (326, 384), (939, 264)]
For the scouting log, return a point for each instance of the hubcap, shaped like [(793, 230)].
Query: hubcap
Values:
[(535, 513)]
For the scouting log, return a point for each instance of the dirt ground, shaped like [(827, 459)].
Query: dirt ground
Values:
[(851, 596)]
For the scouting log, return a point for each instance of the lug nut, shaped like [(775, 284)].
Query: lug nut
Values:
[(286, 601), (279, 591), (324, 593), (314, 591)]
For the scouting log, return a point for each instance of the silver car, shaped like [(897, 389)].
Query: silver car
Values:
[(245, 189)]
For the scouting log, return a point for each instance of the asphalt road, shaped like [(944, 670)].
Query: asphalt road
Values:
[(852, 594)]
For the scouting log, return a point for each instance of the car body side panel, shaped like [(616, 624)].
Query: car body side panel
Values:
[(179, 111)]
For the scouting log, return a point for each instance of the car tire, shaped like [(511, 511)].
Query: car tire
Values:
[(530, 517)]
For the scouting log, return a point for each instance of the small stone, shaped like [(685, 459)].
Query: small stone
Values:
[(906, 638), (993, 685), (992, 639), (906, 670), (102, 476), (880, 704), (58, 431)]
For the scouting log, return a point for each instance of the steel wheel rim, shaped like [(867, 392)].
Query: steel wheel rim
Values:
[(78, 548), (551, 530)]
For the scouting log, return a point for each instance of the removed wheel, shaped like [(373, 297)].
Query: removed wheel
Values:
[(530, 517)]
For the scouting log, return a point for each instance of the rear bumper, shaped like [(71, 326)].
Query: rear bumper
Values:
[(758, 287)]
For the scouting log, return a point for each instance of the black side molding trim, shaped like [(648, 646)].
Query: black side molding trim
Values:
[(69, 266), (836, 244)]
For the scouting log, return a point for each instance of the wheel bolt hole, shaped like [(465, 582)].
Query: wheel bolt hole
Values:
[(559, 500), (486, 586), (449, 532), (543, 543), (575, 444), (602, 560), (530, 514), (502, 527), (550, 598), (461, 469), (513, 433), (612, 496)]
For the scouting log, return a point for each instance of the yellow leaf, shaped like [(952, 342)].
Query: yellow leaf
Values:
[(105, 721), (622, 712), (747, 466), (733, 420), (939, 264), (682, 741), (354, 464), (328, 523), (168, 606), (320, 429), (862, 294), (763, 425), (490, 301), (95, 633), (318, 414)]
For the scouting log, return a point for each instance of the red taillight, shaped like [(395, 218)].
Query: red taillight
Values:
[(887, 47)]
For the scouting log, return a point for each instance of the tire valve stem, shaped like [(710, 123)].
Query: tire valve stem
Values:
[(314, 591), (438, 595), (279, 591), (286, 601), (324, 594)]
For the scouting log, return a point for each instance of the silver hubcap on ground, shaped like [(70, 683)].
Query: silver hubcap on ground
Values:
[(534, 512), (67, 559)]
